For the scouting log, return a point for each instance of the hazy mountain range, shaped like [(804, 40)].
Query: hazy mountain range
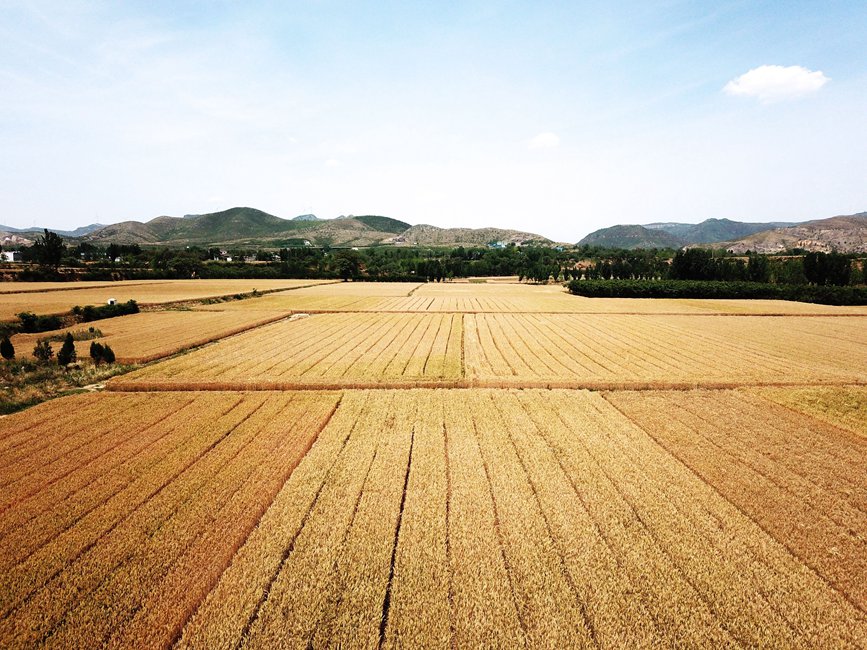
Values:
[(251, 227)]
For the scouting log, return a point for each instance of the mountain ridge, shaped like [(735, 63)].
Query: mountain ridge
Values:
[(676, 234)]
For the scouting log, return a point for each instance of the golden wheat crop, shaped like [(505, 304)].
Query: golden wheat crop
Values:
[(324, 349), (620, 350), (502, 508), (802, 481), (157, 525)]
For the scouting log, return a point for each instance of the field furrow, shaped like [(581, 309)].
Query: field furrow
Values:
[(804, 529)]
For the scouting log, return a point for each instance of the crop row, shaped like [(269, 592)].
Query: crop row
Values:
[(522, 350), (802, 482), (327, 348), (154, 523), (545, 518)]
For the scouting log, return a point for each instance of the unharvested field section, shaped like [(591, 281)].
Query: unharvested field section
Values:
[(417, 518), (841, 406), (322, 350)]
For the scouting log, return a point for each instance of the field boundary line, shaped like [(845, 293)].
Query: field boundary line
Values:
[(290, 547), (396, 384), (498, 529), (325, 310), (386, 601)]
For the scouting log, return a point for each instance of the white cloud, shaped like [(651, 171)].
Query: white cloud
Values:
[(546, 140), (772, 83)]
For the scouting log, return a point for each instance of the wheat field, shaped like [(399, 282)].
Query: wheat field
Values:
[(448, 466), (58, 297), (146, 336)]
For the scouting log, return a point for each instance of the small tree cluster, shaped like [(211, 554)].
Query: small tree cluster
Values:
[(7, 350), (101, 353), (67, 353)]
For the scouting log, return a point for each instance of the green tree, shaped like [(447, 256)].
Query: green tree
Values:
[(67, 351), (97, 352), (107, 354), (758, 269), (348, 265), (7, 350), (48, 249), (43, 350)]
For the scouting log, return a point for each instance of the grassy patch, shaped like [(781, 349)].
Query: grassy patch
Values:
[(26, 383)]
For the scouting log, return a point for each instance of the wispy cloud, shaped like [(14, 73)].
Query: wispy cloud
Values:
[(546, 140), (773, 83)]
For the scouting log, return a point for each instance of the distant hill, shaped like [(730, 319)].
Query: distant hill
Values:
[(631, 237), (675, 235), (249, 227), (426, 235), (384, 224), (844, 234), (714, 230)]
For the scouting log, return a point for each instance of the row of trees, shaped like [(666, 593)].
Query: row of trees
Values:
[(43, 351), (534, 263), (820, 269)]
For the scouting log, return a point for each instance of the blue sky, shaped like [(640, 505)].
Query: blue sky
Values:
[(553, 117)]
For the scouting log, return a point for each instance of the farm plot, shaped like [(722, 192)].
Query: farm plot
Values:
[(659, 351), (335, 297), (146, 336), (145, 293), (42, 287), (508, 519), (799, 479), (295, 301), (325, 350), (364, 289), (117, 526)]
